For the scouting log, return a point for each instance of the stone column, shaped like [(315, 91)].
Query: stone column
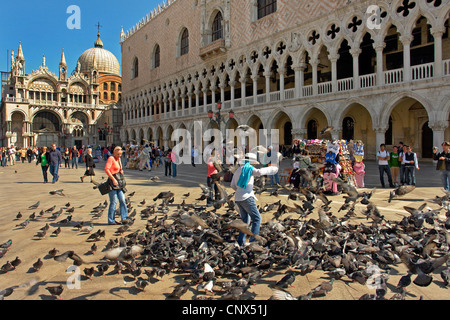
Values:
[(437, 35), (380, 136), (243, 97), (281, 72), (406, 41), (197, 97), (222, 91), (299, 79), (355, 52), (379, 46), (213, 89), (438, 128), (255, 88), (314, 63), (205, 98), (333, 57), (267, 76), (232, 85)]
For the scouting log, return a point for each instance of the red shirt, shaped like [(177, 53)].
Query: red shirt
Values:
[(112, 166), (211, 169)]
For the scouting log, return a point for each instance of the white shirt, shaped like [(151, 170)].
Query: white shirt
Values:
[(243, 194), (382, 154)]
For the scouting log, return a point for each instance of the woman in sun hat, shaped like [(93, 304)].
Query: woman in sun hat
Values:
[(242, 183)]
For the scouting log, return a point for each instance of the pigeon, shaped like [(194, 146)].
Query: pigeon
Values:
[(41, 234), (400, 191), (18, 216), (165, 195), (141, 284), (8, 291), (89, 272), (66, 220), (53, 252), (102, 268), (38, 265), (69, 254), (286, 281), (56, 291), (7, 267), (94, 248), (284, 295), (325, 130), (404, 281), (34, 206), (6, 245), (57, 231), (58, 192), (178, 291), (24, 224), (445, 275), (323, 288), (15, 263)]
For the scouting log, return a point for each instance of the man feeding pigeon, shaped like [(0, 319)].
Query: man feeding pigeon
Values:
[(242, 183)]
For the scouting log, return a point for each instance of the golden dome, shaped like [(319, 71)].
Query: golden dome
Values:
[(100, 59)]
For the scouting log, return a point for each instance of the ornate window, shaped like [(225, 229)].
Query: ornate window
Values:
[(266, 7), (112, 86), (217, 31), (105, 96), (184, 43), (105, 86), (135, 69), (157, 57)]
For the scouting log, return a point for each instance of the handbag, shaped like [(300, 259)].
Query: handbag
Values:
[(104, 187), (119, 178)]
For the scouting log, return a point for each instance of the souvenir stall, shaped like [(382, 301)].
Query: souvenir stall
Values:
[(345, 160), (317, 149)]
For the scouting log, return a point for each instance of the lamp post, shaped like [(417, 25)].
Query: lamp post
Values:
[(218, 116)]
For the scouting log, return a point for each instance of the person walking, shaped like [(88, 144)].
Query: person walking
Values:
[(443, 163), (383, 165), (193, 155), (275, 178), (245, 199), (74, 157), (411, 163), (167, 164), (23, 154), (394, 165), (90, 165), (114, 170), (43, 159), (212, 177), (173, 159), (401, 151), (29, 154), (66, 157), (55, 162)]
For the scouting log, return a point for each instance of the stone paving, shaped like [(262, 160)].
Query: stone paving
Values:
[(22, 186)]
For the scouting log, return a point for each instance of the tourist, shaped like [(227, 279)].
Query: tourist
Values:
[(43, 158), (114, 170), (90, 165), (193, 155), (29, 154), (23, 154), (55, 162), (295, 178), (383, 165), (401, 151), (173, 159), (167, 164), (394, 165), (242, 183), (66, 157), (12, 155), (212, 177), (410, 162), (74, 157), (303, 161), (443, 163)]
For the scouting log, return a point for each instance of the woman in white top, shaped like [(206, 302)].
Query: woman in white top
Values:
[(242, 183)]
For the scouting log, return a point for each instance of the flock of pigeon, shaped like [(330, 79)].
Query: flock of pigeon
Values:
[(304, 234)]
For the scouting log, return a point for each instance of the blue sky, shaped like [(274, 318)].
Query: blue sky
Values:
[(41, 26)]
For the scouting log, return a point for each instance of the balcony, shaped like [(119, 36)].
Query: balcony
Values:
[(388, 78), (214, 48)]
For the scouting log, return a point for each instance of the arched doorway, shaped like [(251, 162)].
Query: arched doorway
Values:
[(17, 119), (312, 129), (288, 133), (348, 129), (46, 125)]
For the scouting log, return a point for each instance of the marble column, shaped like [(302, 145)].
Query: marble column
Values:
[(314, 63), (379, 46), (355, 52), (333, 57), (437, 35), (406, 41)]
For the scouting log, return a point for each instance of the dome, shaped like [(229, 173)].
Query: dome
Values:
[(100, 59)]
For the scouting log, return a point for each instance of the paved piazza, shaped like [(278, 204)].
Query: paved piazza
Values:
[(22, 186)]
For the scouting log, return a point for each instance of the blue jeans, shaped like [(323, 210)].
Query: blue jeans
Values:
[(277, 178), (54, 168), (75, 162), (410, 176), (174, 170), (113, 196), (445, 178), (249, 210), (383, 169)]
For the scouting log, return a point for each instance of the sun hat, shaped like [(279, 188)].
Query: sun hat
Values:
[(251, 157)]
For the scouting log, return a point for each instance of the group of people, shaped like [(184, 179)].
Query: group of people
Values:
[(400, 165)]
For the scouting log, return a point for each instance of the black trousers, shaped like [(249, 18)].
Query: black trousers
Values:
[(167, 166)]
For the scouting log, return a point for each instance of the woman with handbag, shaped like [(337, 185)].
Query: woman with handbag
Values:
[(114, 170), (90, 165)]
